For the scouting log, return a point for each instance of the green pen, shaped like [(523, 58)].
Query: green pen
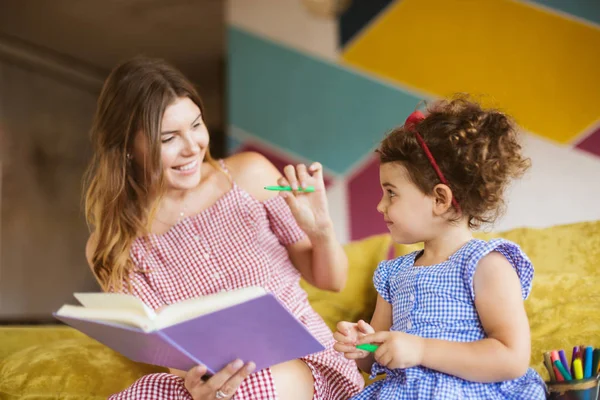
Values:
[(371, 348), (308, 189)]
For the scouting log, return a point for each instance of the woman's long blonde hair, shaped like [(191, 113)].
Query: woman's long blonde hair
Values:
[(119, 198)]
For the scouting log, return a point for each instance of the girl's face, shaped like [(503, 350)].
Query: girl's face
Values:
[(407, 211), (184, 141)]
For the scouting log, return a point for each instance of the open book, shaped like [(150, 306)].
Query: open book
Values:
[(248, 323)]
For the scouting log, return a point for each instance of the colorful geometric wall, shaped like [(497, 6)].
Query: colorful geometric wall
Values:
[(303, 88)]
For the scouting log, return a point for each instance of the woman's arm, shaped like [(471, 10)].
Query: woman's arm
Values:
[(321, 260), (319, 257)]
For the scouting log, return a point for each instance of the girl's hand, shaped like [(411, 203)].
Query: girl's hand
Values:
[(348, 335), (310, 209), (221, 385), (396, 349)]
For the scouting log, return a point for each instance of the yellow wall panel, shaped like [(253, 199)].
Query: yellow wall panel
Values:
[(541, 67)]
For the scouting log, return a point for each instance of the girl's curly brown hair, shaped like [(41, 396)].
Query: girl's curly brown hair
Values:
[(476, 149)]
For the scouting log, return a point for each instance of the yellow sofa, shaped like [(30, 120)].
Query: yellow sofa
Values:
[(57, 362)]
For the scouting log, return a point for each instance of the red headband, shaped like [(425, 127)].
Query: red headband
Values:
[(409, 124)]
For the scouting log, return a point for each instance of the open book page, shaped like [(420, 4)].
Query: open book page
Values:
[(119, 316), (129, 310), (191, 308), (115, 301)]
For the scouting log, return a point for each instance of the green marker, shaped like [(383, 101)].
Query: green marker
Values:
[(308, 189), (563, 371), (368, 347)]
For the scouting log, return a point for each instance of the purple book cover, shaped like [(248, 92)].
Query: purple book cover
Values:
[(261, 330)]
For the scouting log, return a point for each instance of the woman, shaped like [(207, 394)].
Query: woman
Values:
[(171, 223)]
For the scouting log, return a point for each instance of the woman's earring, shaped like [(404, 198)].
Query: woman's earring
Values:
[(129, 158)]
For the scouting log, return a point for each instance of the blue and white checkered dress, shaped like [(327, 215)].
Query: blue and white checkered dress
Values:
[(438, 302)]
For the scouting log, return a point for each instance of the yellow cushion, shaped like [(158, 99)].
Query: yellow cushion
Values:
[(16, 337), (76, 368), (564, 305)]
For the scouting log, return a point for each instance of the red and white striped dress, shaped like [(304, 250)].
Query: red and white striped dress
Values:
[(237, 242)]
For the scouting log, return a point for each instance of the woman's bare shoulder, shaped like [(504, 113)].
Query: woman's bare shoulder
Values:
[(252, 172)]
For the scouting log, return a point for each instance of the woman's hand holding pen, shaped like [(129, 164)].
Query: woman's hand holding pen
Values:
[(320, 257), (309, 208)]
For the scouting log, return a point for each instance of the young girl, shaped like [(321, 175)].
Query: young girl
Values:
[(449, 321)]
